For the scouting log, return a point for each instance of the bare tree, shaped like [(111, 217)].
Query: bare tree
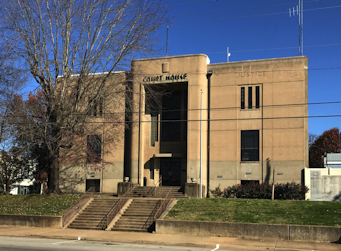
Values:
[(12, 79), (311, 138), (64, 43)]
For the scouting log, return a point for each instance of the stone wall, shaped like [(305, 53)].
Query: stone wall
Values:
[(249, 230), (31, 220)]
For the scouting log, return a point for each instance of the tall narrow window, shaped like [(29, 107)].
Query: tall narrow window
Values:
[(94, 148), (153, 129), (185, 115), (242, 97), (250, 145), (152, 108), (100, 111), (250, 98), (257, 96), (95, 107), (171, 116)]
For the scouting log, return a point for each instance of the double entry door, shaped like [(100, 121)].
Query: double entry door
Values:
[(170, 169)]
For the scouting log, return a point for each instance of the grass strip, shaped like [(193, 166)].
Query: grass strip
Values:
[(326, 213), (36, 204)]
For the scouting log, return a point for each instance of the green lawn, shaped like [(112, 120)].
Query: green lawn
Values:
[(258, 211), (36, 204)]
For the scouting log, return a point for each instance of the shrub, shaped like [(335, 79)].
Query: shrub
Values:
[(217, 193), (288, 191)]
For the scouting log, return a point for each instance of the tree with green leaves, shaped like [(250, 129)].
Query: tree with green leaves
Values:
[(328, 142)]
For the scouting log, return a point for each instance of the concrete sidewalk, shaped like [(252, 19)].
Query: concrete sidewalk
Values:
[(163, 239)]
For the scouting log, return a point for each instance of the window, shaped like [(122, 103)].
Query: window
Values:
[(153, 129), (185, 116), (94, 145), (257, 96), (95, 107), (94, 184), (250, 145), (242, 97), (171, 106), (250, 98), (246, 182), (152, 108)]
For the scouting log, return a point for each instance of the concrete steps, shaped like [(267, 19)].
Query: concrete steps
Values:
[(136, 216), (92, 216), (157, 192)]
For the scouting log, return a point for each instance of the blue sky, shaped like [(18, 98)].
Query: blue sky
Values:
[(263, 29)]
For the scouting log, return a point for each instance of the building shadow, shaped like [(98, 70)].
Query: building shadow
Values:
[(268, 170), (337, 198)]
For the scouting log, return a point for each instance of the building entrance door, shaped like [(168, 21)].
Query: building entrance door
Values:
[(170, 169)]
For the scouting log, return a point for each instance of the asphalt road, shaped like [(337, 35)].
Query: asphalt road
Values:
[(29, 244)]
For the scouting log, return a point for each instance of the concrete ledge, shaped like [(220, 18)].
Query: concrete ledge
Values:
[(249, 230), (31, 220), (315, 233)]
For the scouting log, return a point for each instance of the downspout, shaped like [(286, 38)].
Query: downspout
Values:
[(262, 134), (139, 140), (209, 74)]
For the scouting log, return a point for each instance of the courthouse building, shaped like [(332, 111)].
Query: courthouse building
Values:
[(246, 121)]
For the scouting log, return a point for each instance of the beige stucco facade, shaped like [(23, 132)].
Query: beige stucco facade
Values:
[(275, 110)]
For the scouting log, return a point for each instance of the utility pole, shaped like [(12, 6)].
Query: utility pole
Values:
[(299, 11), (167, 42), (201, 143)]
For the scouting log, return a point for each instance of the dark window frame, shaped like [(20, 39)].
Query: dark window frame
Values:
[(257, 97), (246, 182), (250, 97), (242, 98), (249, 145), (171, 120), (95, 107)]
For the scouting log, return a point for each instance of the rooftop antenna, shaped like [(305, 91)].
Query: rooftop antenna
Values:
[(228, 54), (299, 11), (167, 42)]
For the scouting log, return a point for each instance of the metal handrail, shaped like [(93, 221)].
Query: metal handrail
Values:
[(151, 216), (165, 203), (117, 207), (157, 184), (76, 207)]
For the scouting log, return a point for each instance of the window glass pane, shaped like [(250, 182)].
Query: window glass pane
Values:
[(250, 98), (185, 115), (153, 130), (250, 145), (94, 184), (257, 96), (242, 98), (171, 131), (152, 108)]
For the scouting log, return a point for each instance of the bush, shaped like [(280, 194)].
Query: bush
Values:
[(288, 191), (217, 193)]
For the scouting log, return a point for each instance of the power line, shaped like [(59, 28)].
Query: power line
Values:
[(235, 107), (181, 120), (198, 109), (211, 1), (239, 9), (252, 16), (279, 48)]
